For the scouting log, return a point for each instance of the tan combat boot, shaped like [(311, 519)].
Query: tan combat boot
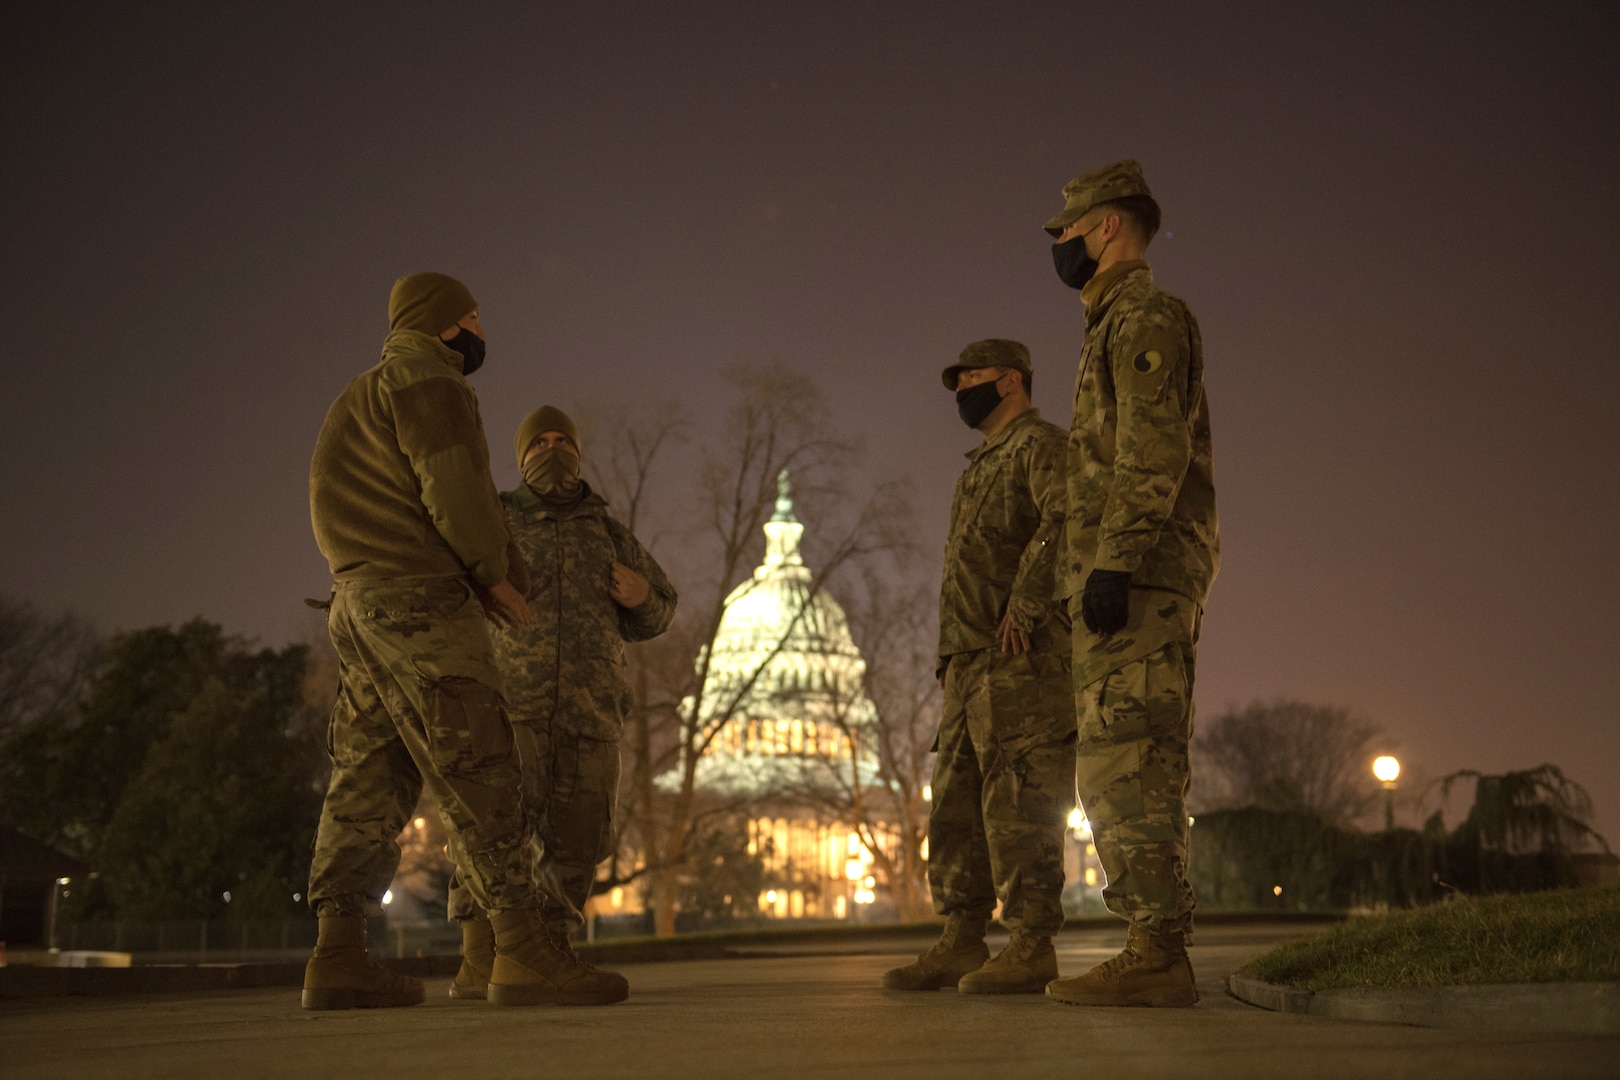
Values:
[(477, 957), (532, 969), (959, 950), (342, 976), (1025, 966), (1153, 970)]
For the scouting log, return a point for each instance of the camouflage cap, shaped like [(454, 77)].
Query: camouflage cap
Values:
[(1116, 181), (991, 352)]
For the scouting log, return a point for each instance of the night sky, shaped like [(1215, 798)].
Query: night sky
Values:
[(1397, 225)]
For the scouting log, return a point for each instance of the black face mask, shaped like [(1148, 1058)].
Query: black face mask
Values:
[(471, 348), (1074, 266), (974, 403)]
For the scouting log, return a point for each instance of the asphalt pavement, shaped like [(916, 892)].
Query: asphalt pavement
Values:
[(812, 1010)]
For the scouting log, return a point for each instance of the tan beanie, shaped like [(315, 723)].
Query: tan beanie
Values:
[(545, 418), (431, 303)]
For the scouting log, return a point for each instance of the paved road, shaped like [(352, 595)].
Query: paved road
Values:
[(813, 1011)]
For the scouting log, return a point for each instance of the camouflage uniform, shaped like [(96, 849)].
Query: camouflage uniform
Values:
[(566, 687), (1003, 779), (1141, 499), (405, 512)]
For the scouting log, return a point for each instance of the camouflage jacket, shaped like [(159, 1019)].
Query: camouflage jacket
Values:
[(1006, 521), (567, 668), (1141, 482)]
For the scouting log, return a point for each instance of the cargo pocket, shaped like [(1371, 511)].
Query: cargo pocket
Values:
[(466, 725)]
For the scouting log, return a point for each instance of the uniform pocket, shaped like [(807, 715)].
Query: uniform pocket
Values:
[(466, 725)]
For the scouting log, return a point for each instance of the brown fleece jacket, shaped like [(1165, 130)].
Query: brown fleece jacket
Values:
[(400, 485)]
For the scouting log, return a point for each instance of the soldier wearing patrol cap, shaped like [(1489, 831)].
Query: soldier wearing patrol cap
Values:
[(1003, 779), (1142, 550)]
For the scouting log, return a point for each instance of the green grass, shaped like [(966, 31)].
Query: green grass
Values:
[(1569, 935)]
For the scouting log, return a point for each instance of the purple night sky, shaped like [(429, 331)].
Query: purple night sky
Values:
[(1396, 223)]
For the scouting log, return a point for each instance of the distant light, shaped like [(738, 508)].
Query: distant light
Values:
[(1386, 769), (870, 882), (1091, 876), (865, 896), (388, 897), (854, 869), (1077, 819), (1276, 890), (928, 793), (297, 896), (1190, 820), (420, 823), (227, 895), (770, 896), (922, 850), (63, 880)]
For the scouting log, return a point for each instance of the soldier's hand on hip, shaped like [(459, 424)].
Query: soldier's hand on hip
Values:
[(504, 605), (1105, 606), (1012, 639), (627, 588)]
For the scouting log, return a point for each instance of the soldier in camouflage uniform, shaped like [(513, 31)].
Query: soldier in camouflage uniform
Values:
[(593, 587), (1003, 780), (406, 514), (1142, 552)]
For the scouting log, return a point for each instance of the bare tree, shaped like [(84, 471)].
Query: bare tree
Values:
[(45, 664), (893, 619), (682, 702), (1289, 755)]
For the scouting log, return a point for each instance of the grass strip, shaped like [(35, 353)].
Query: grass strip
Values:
[(1567, 935)]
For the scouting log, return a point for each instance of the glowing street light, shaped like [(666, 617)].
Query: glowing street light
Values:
[(1387, 769)]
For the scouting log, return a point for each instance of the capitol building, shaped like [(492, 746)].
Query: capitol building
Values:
[(795, 735)]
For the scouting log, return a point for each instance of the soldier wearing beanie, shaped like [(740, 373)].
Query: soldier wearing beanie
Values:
[(1003, 779), (593, 587), (1142, 551), (406, 513)]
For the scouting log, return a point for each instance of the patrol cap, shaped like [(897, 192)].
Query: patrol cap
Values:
[(1116, 181), (991, 352), (431, 303), (545, 418)]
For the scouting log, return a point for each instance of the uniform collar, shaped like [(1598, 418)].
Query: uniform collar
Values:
[(1030, 415), (1100, 291), (523, 498), (417, 343)]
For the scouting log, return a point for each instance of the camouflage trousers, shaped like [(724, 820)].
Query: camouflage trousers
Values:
[(1136, 723), (419, 701), (1003, 785), (570, 789)]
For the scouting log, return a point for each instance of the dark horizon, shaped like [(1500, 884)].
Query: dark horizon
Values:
[(1396, 226)]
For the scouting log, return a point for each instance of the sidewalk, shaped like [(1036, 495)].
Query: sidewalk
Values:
[(772, 1014)]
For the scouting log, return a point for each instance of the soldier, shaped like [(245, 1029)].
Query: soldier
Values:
[(1003, 780), (593, 587), (1142, 550), (406, 514)]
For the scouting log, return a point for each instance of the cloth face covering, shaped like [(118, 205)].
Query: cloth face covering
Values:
[(471, 348), (553, 473), (974, 403), (1074, 266)]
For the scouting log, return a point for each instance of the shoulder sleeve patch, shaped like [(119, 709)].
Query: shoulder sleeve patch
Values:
[(1148, 361)]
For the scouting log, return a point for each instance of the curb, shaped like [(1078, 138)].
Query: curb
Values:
[(1590, 1008)]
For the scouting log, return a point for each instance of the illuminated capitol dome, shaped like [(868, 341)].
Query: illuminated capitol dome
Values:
[(795, 730)]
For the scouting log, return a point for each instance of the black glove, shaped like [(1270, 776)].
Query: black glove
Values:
[(1105, 606)]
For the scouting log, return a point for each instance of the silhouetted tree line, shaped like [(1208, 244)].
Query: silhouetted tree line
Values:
[(1289, 780), (184, 766)]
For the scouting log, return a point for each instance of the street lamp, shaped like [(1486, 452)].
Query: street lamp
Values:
[(1387, 769)]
